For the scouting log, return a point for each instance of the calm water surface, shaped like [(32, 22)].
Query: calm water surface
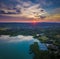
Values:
[(17, 47)]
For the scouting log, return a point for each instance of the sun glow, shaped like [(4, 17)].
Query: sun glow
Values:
[(34, 21)]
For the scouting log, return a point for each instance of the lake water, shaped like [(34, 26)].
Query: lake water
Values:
[(17, 47)]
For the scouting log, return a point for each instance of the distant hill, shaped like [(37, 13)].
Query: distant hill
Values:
[(30, 25)]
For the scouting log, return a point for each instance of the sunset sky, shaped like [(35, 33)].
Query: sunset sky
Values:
[(29, 10)]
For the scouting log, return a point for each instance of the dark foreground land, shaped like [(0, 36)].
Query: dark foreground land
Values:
[(47, 33)]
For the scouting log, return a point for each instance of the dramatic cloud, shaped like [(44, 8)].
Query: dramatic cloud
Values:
[(6, 11), (32, 12), (24, 9), (30, 9)]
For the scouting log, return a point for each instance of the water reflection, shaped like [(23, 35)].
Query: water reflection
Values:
[(17, 47)]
